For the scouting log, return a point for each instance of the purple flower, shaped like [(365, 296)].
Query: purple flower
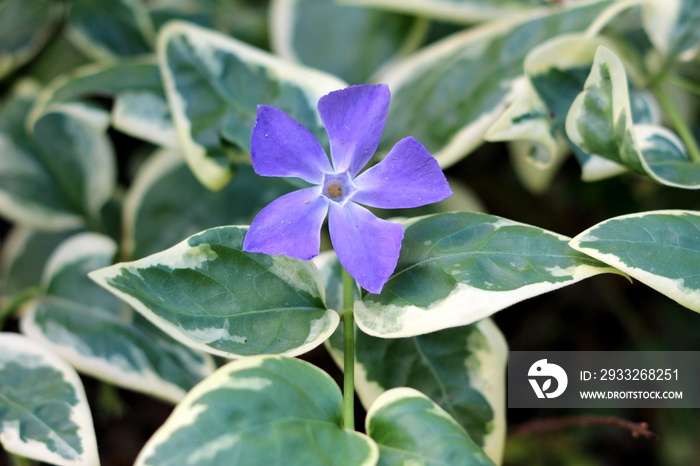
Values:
[(367, 246)]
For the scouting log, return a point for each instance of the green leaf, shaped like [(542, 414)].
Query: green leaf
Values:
[(99, 335), (260, 410), (673, 26), (557, 69), (62, 175), (167, 203), (600, 122), (25, 27), (459, 11), (210, 295), (249, 23), (317, 33), (140, 108), (487, 262), (660, 249), (448, 94), (110, 30), (411, 429), (44, 414), (462, 369), (214, 84), (23, 257)]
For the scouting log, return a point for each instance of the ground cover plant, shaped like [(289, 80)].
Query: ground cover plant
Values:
[(218, 213)]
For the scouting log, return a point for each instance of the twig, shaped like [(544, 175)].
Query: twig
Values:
[(637, 429)]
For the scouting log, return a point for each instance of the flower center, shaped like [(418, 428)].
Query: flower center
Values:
[(338, 187), (335, 191)]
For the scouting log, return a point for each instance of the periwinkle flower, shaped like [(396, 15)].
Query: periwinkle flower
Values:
[(367, 246)]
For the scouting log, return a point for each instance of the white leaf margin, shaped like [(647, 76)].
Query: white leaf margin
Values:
[(75, 248), (673, 288), (642, 134), (406, 321), (312, 82), (464, 12), (13, 343), (187, 411), (470, 136), (182, 255)]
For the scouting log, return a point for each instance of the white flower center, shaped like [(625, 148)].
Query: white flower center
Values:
[(338, 187)]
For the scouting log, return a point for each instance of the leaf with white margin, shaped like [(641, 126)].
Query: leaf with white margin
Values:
[(210, 295), (44, 414), (673, 26), (25, 27), (455, 269), (23, 257), (411, 429), (600, 122), (557, 70), (659, 248), (99, 335), (462, 369), (140, 108), (317, 33), (457, 11), (245, 20), (214, 84), (166, 203), (110, 30), (260, 410), (447, 95), (61, 175), (527, 119)]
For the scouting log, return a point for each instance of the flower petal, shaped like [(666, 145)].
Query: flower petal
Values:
[(289, 225), (280, 146), (354, 119), (407, 177), (368, 247)]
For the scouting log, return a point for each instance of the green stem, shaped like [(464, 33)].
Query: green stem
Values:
[(684, 83), (678, 123), (348, 352)]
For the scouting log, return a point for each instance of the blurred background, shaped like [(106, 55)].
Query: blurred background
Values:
[(605, 312)]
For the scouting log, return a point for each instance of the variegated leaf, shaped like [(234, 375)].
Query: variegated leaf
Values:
[(458, 268), (558, 69), (110, 30), (140, 108), (60, 176), (260, 410), (601, 122), (459, 11), (23, 257), (673, 26), (660, 249), (99, 335), (25, 27), (44, 414), (317, 33), (447, 95), (411, 429), (167, 203), (214, 84), (210, 295)]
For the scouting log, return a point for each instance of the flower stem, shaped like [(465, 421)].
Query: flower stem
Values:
[(684, 83), (348, 352), (679, 124)]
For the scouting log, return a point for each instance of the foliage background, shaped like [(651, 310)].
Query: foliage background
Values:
[(602, 313)]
